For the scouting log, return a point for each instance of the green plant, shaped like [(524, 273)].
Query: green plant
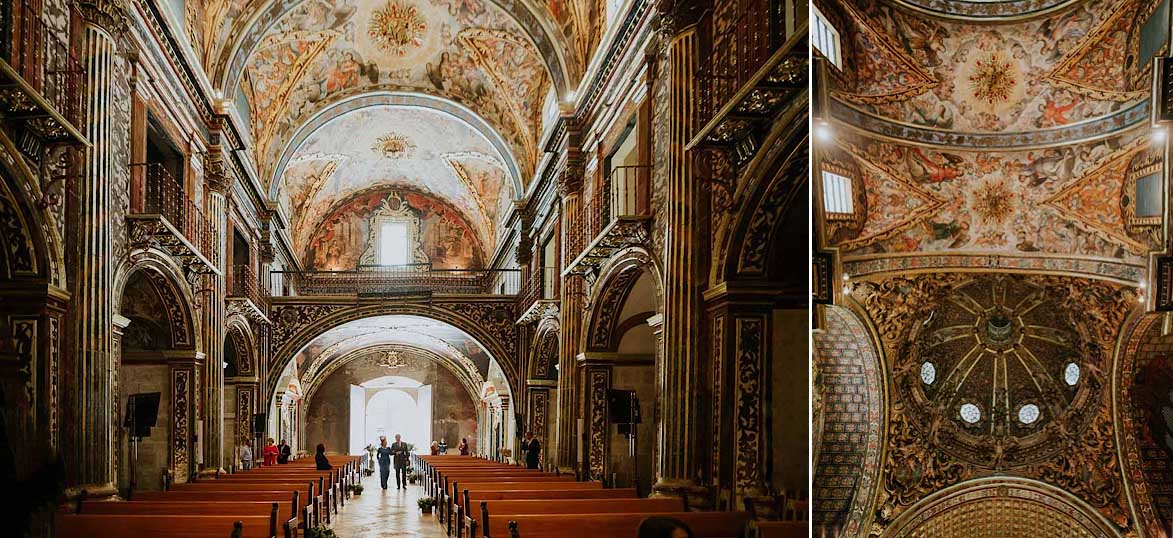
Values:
[(356, 489), (320, 532), (412, 475), (426, 503)]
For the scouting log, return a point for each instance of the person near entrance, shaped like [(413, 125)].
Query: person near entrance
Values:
[(384, 457), (270, 453), (283, 452), (532, 449), (399, 451)]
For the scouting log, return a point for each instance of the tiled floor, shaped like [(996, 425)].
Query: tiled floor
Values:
[(385, 513)]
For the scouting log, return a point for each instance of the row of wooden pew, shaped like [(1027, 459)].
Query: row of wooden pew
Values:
[(478, 498), (265, 502)]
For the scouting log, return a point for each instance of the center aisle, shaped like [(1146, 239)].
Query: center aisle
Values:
[(385, 513)]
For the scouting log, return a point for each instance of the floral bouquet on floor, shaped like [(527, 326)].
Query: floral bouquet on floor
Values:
[(426, 504)]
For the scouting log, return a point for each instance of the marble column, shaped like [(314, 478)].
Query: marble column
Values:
[(571, 300), (88, 381), (678, 427), (214, 314)]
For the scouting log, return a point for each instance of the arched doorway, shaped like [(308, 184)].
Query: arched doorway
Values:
[(622, 347), (158, 356), (409, 374)]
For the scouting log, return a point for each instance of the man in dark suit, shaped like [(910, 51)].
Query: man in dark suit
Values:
[(532, 449), (400, 453)]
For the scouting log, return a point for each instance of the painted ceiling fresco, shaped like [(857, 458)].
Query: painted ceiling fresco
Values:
[(445, 238), (1077, 64), (1073, 200), (468, 51), (425, 151)]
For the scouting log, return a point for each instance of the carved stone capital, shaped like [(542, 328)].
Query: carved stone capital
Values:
[(570, 182), (216, 175)]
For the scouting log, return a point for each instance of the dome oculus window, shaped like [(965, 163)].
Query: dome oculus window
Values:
[(1028, 413), (928, 373), (970, 413), (1071, 374)]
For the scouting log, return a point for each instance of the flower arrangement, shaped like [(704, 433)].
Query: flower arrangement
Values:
[(356, 489), (412, 476), (426, 504), (319, 532)]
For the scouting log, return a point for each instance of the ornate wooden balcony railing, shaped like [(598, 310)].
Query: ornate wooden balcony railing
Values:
[(756, 66), (616, 216), (539, 294), (164, 217), (246, 294), (41, 83), (401, 280)]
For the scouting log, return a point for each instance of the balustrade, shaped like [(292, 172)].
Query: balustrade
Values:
[(245, 284), (155, 192), (402, 280), (38, 60)]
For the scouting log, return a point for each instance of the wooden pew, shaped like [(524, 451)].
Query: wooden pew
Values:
[(703, 524), (781, 529), (167, 526), (447, 503), (565, 506)]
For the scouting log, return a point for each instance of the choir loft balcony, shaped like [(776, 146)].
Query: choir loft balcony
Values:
[(617, 216), (42, 85), (539, 296), (757, 69), (246, 295), (164, 217), (412, 281)]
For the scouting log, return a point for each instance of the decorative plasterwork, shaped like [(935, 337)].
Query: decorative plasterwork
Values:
[(933, 448), (1143, 342), (847, 454), (1008, 9), (456, 362), (1094, 129), (153, 232), (1006, 507), (394, 209), (489, 322)]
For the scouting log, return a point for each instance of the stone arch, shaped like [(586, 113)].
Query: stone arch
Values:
[(376, 98), (489, 324), (30, 246), (165, 274), (762, 209), (472, 384), (1143, 351), (849, 415), (1003, 506), (544, 352), (242, 336), (617, 277)]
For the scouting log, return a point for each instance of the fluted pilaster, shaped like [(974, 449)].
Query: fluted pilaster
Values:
[(90, 363), (677, 462), (566, 436), (214, 312)]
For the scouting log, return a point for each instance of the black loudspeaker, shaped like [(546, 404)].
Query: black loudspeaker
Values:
[(142, 410), (259, 423), (622, 407), (520, 430)]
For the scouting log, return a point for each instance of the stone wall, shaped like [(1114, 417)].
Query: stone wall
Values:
[(327, 420)]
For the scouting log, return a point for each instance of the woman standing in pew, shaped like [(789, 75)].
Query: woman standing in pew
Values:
[(321, 460), (270, 453)]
